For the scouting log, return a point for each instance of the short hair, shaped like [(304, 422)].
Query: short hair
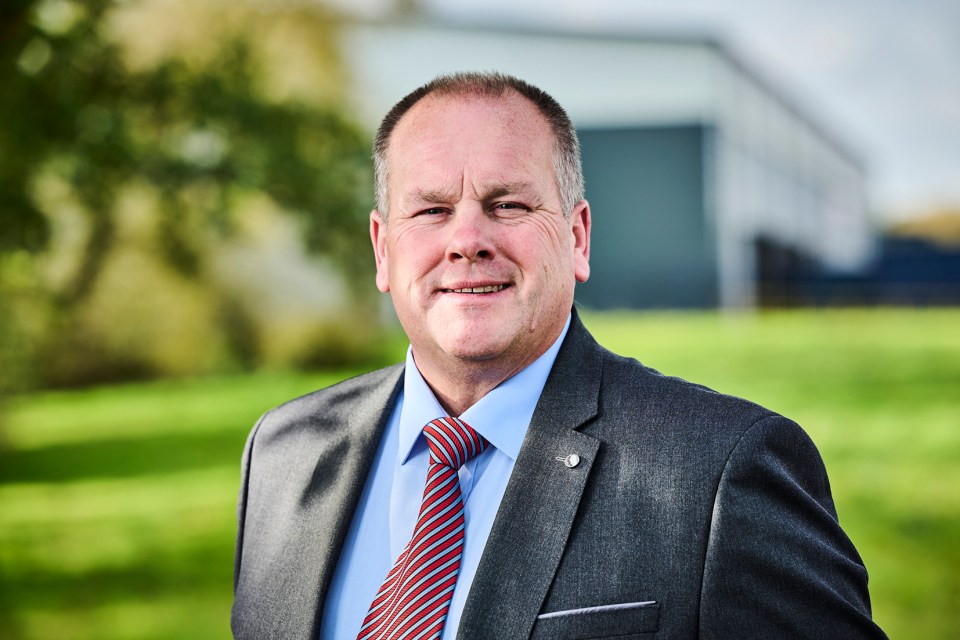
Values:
[(568, 172)]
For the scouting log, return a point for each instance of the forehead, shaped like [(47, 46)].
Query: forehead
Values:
[(509, 110), (461, 129)]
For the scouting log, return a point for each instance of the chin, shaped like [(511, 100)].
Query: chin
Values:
[(476, 353)]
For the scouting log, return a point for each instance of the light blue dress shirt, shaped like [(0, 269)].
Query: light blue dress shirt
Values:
[(390, 502)]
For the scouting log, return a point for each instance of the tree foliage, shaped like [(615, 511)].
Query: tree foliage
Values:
[(79, 111), (201, 132)]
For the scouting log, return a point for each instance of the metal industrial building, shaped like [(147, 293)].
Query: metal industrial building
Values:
[(705, 182)]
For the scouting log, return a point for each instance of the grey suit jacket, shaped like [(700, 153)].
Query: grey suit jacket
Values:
[(691, 514)]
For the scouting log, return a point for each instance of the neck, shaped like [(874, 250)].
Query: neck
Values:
[(459, 385)]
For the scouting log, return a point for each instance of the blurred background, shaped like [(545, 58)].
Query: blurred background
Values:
[(184, 191)]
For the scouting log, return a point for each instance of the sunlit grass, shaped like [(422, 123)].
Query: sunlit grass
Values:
[(134, 411), (117, 503), (879, 392)]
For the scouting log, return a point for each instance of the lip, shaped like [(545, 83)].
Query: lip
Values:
[(475, 287)]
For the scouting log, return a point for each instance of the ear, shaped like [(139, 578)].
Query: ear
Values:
[(378, 236), (580, 220)]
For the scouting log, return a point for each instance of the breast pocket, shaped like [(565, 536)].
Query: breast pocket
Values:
[(623, 621)]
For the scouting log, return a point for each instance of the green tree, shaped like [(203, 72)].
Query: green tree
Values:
[(202, 132)]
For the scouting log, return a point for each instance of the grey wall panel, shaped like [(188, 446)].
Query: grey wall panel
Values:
[(651, 243)]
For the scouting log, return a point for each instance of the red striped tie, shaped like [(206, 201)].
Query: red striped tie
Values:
[(415, 597)]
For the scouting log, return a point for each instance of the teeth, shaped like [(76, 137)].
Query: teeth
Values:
[(487, 289)]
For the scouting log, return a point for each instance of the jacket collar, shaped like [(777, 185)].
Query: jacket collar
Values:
[(540, 503)]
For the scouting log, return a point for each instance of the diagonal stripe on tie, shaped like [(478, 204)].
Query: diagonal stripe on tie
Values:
[(414, 599)]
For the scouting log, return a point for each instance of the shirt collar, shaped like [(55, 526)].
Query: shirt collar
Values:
[(502, 416)]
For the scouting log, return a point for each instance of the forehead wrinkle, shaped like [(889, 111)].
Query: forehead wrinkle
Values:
[(499, 189)]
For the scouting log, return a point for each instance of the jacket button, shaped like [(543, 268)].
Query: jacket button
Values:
[(571, 460)]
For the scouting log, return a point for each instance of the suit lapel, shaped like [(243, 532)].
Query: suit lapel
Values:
[(540, 503), (329, 498)]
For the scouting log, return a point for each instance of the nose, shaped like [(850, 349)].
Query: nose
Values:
[(471, 236)]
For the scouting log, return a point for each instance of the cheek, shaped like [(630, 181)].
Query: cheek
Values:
[(553, 252), (411, 262), (556, 271)]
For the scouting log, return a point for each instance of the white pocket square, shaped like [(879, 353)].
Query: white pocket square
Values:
[(601, 609)]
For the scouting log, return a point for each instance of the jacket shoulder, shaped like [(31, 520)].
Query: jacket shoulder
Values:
[(337, 401), (669, 402)]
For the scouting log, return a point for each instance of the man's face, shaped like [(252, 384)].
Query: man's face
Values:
[(476, 252)]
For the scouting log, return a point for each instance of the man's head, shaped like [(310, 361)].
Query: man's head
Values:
[(480, 252), (566, 160)]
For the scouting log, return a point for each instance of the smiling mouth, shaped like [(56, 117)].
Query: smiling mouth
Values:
[(487, 289)]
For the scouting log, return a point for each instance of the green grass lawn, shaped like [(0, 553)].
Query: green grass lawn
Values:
[(117, 504)]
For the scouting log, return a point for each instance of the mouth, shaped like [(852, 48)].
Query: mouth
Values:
[(490, 288)]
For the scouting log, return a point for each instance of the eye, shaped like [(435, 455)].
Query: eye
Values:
[(510, 206), (433, 211)]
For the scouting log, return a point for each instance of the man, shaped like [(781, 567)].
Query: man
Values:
[(596, 497)]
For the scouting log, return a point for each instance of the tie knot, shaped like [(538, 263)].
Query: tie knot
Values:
[(453, 442)]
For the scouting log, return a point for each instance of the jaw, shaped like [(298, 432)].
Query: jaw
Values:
[(473, 327), (467, 344)]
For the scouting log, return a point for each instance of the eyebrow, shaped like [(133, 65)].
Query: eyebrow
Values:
[(488, 192), (500, 189), (433, 195)]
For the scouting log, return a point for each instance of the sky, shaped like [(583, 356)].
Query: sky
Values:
[(884, 74)]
